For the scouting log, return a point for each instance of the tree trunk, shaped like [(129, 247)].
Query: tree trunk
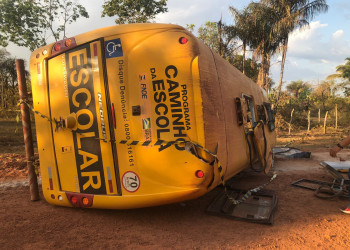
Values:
[(2, 95), (260, 77), (262, 70), (290, 122), (243, 60), (284, 55), (267, 73), (220, 36), (319, 116), (336, 116), (325, 123), (308, 122)]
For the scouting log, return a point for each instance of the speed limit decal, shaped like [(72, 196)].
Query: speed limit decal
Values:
[(131, 182)]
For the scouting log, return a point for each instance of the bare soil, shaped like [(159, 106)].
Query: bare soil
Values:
[(301, 220)]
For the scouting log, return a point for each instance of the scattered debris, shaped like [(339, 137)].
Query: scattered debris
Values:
[(289, 153), (259, 207), (342, 166), (324, 190)]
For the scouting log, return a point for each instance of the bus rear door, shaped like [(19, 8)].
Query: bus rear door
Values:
[(85, 155)]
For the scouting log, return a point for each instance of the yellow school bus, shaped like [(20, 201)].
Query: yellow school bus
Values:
[(142, 115)]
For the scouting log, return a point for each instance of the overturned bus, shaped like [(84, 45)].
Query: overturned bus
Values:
[(143, 115)]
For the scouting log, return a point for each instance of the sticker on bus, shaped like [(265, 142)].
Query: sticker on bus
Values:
[(131, 182), (114, 48)]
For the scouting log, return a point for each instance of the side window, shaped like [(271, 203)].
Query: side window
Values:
[(270, 116), (250, 111), (239, 111), (261, 113)]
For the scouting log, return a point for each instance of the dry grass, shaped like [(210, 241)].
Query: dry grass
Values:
[(11, 137), (315, 139)]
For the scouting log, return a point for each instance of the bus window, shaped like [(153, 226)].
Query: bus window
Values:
[(239, 111), (251, 117), (270, 115), (261, 113)]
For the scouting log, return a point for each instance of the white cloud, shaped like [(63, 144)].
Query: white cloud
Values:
[(196, 12), (314, 52), (338, 34)]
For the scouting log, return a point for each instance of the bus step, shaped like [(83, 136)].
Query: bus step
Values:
[(258, 208)]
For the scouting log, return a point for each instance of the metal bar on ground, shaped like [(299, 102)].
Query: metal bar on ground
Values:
[(27, 131)]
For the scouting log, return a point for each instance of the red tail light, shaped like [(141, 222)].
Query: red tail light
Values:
[(74, 200), (183, 40), (199, 174), (80, 200), (63, 45), (57, 47)]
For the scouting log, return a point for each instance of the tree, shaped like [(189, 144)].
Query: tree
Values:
[(31, 23), (343, 71), (299, 89), (292, 14), (209, 34), (264, 39), (242, 29), (8, 79), (217, 37), (133, 11), (251, 68)]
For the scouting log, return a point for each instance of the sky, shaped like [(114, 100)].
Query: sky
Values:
[(313, 52)]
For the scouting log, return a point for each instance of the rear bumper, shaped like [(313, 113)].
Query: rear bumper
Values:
[(129, 201)]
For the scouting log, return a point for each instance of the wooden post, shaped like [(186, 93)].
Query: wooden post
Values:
[(27, 131), (308, 122), (336, 116), (290, 123), (325, 123)]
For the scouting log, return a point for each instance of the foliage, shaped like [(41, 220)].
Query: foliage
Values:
[(292, 14), (299, 89), (209, 34), (243, 30), (217, 37), (343, 71), (30, 23), (264, 38), (251, 68), (303, 97), (133, 11), (8, 81)]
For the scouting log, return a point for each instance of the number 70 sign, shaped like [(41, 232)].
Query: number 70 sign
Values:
[(131, 182)]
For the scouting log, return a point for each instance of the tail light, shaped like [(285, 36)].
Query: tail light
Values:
[(199, 174), (63, 45), (80, 200), (183, 40)]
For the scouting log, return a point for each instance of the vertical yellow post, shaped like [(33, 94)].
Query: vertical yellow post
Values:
[(27, 131)]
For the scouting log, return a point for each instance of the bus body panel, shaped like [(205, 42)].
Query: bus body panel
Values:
[(157, 93)]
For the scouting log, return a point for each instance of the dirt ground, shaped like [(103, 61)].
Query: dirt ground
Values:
[(301, 220)]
